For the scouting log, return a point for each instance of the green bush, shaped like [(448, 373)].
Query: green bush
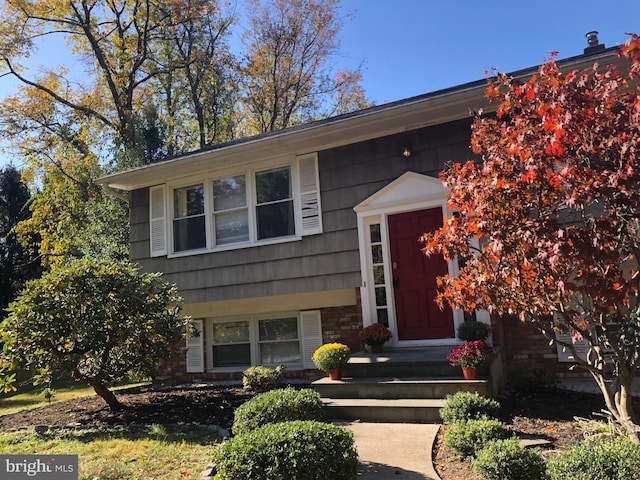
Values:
[(533, 379), (597, 459), (468, 406), (507, 460), (469, 437), (472, 330), (261, 379), (300, 450), (275, 406)]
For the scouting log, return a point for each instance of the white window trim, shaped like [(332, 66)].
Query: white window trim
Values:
[(249, 173)]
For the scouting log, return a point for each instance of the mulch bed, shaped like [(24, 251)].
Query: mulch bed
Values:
[(548, 415), (210, 406)]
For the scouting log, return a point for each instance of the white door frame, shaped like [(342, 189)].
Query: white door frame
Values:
[(409, 192)]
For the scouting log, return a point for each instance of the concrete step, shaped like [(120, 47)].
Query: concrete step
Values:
[(398, 388), (398, 369), (426, 362), (377, 410)]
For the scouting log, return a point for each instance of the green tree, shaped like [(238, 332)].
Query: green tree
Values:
[(151, 79), (286, 74), (16, 265), (555, 201), (59, 150), (198, 98), (96, 319)]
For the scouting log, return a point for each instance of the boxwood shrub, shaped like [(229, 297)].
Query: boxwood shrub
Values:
[(468, 406), (597, 459), (469, 437), (508, 460), (261, 379), (299, 450), (275, 406)]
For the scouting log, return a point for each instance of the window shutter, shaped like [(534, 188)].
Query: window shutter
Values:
[(195, 349), (564, 354), (309, 185), (311, 336), (157, 221)]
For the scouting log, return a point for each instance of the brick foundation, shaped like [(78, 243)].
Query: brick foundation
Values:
[(523, 345), (342, 324)]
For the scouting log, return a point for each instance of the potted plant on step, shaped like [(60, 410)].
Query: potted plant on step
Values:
[(375, 335), (471, 330), (331, 358), (469, 356)]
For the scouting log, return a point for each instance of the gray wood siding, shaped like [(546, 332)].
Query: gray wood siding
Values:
[(329, 261)]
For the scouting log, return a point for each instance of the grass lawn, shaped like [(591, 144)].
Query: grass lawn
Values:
[(112, 453), (28, 396)]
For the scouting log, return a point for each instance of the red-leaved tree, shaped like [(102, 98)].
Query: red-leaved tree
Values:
[(555, 202)]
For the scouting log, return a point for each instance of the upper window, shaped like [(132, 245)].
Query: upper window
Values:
[(188, 218), (272, 210), (274, 206), (267, 205), (230, 213)]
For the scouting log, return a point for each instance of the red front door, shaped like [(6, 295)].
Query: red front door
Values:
[(414, 278)]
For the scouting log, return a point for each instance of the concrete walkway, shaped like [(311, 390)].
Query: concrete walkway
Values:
[(404, 450), (394, 450)]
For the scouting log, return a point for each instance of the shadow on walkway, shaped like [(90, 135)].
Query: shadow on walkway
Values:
[(377, 471)]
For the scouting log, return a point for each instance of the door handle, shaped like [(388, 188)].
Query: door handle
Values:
[(396, 282)]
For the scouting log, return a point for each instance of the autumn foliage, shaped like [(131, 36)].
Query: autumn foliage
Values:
[(554, 200)]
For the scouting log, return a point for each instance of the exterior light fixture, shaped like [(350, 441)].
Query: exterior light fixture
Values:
[(406, 151)]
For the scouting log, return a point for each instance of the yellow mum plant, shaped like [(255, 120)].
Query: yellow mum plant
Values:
[(331, 355)]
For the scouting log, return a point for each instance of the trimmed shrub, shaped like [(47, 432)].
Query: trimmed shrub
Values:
[(507, 460), (600, 458), (469, 437), (471, 330), (468, 406), (300, 450), (532, 379), (261, 379), (276, 406)]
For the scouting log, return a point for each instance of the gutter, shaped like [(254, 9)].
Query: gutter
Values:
[(115, 192)]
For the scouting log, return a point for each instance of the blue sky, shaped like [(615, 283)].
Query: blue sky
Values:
[(411, 47)]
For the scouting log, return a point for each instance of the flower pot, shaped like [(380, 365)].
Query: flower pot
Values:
[(335, 374), (376, 348), (470, 373)]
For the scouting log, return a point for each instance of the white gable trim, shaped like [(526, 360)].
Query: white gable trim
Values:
[(410, 191)]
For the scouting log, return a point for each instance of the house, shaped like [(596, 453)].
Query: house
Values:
[(287, 240)]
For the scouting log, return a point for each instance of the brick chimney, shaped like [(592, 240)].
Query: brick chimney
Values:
[(593, 45)]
